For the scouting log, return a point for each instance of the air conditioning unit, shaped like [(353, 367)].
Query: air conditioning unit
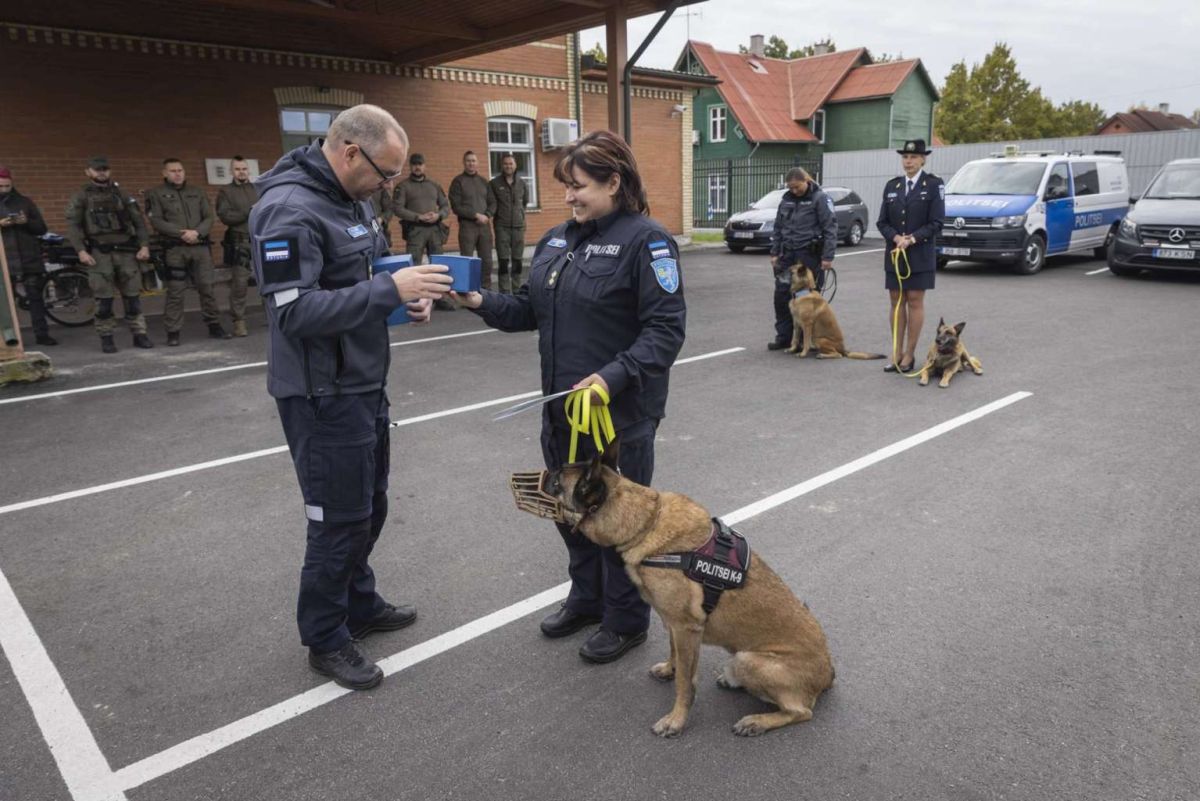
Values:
[(695, 137), (557, 132)]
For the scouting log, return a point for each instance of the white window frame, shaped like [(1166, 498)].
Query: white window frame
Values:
[(718, 187), (308, 132), (718, 115), (813, 125), (527, 147)]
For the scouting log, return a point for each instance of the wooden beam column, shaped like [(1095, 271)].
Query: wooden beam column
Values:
[(617, 54)]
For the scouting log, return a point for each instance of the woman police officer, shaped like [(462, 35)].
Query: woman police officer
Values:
[(805, 231), (606, 296)]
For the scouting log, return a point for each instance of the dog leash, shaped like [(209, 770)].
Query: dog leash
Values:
[(589, 417), (897, 253)]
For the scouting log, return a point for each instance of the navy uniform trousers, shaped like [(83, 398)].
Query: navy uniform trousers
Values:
[(599, 584), (783, 289), (340, 447)]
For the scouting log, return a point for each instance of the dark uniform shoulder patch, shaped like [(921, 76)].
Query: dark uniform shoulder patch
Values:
[(280, 260)]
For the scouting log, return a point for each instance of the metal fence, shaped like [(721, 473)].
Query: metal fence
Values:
[(721, 187), (866, 171)]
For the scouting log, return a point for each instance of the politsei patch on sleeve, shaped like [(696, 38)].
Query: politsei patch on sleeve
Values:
[(280, 260), (666, 272)]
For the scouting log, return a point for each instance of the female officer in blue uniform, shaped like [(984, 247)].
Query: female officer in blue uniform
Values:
[(909, 219), (606, 297)]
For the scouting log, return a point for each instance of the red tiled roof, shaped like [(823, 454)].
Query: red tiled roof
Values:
[(1142, 120), (761, 101), (873, 80), (814, 79)]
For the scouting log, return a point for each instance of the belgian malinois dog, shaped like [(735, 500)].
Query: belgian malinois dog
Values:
[(813, 318), (947, 355), (779, 651)]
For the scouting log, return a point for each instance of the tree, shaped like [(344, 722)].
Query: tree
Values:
[(778, 48), (992, 103), (597, 53)]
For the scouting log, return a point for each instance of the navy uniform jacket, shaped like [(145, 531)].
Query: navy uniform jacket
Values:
[(606, 297), (802, 219), (920, 214), (313, 247)]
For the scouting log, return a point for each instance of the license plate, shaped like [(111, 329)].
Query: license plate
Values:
[(743, 234), (955, 251), (1172, 253)]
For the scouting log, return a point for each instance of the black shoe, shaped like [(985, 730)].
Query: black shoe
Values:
[(777, 345), (142, 341), (390, 619), (347, 666), (215, 331), (564, 622), (45, 339), (107, 345), (609, 646), (173, 338)]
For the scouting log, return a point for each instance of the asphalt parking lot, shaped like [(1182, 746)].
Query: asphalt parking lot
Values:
[(1006, 569)]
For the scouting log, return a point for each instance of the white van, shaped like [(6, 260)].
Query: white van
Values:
[(1019, 208)]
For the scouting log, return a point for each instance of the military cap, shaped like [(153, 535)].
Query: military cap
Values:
[(416, 158), (98, 162)]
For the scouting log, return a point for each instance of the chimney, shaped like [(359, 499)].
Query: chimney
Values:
[(820, 49), (757, 46), (1164, 108)]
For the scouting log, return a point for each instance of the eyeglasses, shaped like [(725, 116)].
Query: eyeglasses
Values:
[(383, 176)]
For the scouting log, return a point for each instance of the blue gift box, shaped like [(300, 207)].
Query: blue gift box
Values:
[(391, 264), (465, 270)]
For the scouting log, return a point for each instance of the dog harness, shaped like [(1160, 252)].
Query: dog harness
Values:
[(719, 564)]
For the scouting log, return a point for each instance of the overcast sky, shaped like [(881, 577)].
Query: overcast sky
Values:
[(1115, 53)]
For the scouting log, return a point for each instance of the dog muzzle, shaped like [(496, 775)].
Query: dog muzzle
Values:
[(529, 491)]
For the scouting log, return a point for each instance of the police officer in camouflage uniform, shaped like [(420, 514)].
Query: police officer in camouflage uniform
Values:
[(106, 228), (381, 201), (508, 196), (472, 203), (422, 207), (183, 217), (233, 208)]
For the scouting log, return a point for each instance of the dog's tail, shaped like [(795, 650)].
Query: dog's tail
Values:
[(854, 354)]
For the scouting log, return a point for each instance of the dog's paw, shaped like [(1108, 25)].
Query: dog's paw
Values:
[(944, 384), (749, 726), (668, 726), (725, 684), (663, 671), (924, 381)]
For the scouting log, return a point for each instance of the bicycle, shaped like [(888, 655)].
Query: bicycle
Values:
[(66, 292)]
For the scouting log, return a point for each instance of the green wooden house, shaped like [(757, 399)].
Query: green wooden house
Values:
[(768, 113)]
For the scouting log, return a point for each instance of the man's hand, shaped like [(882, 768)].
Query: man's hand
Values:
[(86, 259), (7, 221), (472, 300), (424, 281), (594, 378), (482, 219), (419, 311), (826, 264), (189, 236), (143, 254), (428, 217)]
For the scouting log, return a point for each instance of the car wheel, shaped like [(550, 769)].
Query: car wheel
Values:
[(942, 261), (1102, 251), (1034, 257), (854, 236), (735, 248)]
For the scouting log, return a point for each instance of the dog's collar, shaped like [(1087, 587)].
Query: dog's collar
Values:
[(800, 293)]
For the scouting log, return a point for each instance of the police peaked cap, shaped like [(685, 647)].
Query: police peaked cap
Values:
[(914, 147)]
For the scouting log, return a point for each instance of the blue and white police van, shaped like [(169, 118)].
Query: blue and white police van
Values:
[(1018, 208)]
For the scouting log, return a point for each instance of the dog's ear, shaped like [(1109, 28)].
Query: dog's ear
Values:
[(612, 455), (595, 470), (941, 322), (958, 329), (590, 490)]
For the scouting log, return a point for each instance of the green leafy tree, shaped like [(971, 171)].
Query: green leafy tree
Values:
[(778, 48), (1079, 118), (597, 52), (957, 116)]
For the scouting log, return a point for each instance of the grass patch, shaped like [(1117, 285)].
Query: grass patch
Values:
[(708, 236)]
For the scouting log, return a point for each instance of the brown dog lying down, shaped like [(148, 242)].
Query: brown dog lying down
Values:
[(779, 650), (947, 355), (813, 317)]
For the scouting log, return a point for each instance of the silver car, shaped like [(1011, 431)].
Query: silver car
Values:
[(752, 228)]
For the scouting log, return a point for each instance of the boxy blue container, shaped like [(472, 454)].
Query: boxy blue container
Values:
[(391, 264), (465, 270)]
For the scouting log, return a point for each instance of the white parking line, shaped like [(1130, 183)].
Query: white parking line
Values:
[(241, 457), (204, 745), (195, 373), (1094, 272)]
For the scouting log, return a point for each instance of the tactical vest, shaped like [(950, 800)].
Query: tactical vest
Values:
[(106, 212)]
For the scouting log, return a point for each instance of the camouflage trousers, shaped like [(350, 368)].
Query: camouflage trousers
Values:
[(475, 238), (239, 280), (184, 261), (116, 272)]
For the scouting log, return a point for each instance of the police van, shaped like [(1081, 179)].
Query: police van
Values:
[(1018, 208)]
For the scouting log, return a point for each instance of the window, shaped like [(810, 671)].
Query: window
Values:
[(838, 196), (718, 195), (852, 199), (817, 125), (1059, 182), (1087, 179), (716, 123), (513, 135), (303, 126)]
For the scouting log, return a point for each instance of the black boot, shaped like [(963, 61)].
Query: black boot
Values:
[(45, 339), (215, 331), (142, 341), (107, 345), (173, 338), (347, 666)]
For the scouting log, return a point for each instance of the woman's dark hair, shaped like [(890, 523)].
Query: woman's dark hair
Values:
[(601, 154), (798, 174)]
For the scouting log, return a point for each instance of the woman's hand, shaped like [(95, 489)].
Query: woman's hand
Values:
[(595, 379), (419, 310), (472, 300)]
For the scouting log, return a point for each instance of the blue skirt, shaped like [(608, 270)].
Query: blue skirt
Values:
[(922, 280)]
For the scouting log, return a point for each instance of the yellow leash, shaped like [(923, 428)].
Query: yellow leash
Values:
[(896, 255), (587, 417)]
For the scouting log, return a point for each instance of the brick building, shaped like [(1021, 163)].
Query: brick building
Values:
[(139, 97)]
